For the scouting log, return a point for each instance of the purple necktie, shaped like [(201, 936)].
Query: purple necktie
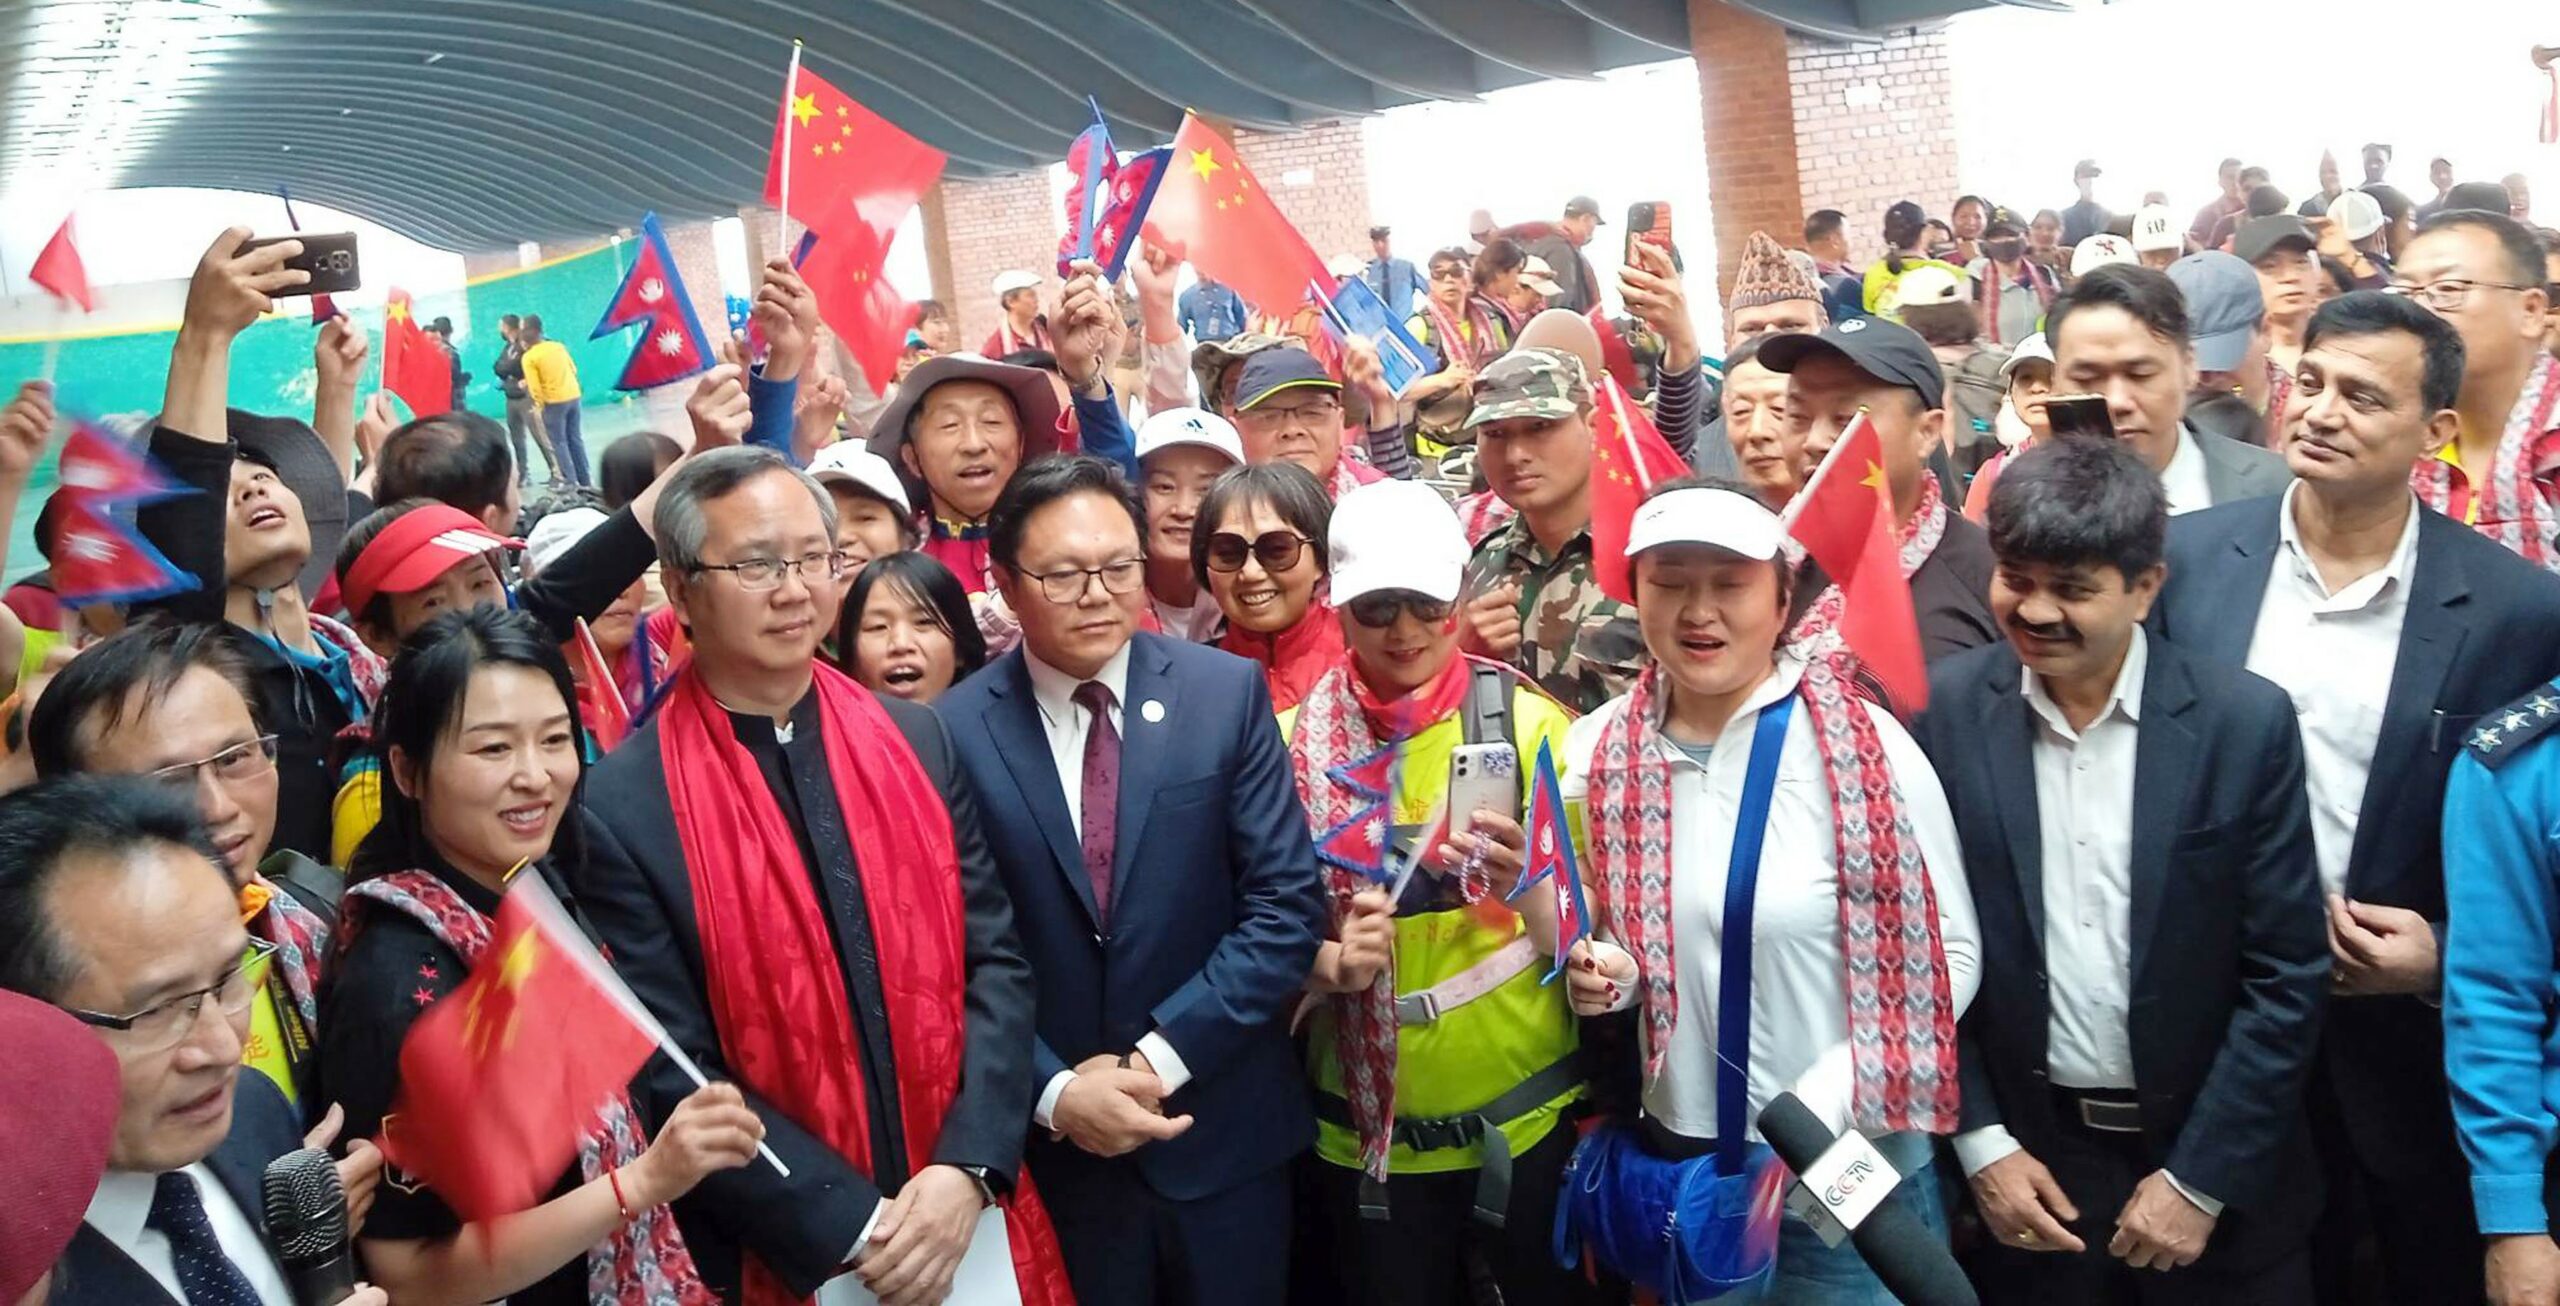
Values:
[(1101, 792)]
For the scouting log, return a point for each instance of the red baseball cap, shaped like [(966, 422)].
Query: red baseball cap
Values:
[(411, 552), (61, 1084)]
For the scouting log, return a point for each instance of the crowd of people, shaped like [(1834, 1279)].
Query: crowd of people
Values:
[(998, 788)]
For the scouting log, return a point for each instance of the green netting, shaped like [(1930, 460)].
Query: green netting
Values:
[(123, 373)]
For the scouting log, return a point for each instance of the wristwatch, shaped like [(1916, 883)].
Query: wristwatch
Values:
[(978, 1175)]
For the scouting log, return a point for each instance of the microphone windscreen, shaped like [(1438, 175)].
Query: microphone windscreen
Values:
[(306, 1208)]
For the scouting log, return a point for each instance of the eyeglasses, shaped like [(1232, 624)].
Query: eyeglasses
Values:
[(159, 1028), (1378, 611), (1315, 414), (2450, 293), (755, 575), (238, 762), (1277, 551), (1069, 585)]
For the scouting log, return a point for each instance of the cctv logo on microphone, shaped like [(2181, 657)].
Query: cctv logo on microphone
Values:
[(1850, 1179), (1837, 1193)]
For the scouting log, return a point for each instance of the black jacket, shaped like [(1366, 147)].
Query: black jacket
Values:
[(2229, 955), (637, 890), (95, 1272), (509, 368), (2483, 627)]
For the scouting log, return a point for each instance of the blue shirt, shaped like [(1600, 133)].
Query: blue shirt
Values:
[(1396, 282), (1210, 311), (2502, 909)]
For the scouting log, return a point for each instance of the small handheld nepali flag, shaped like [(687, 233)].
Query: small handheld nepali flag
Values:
[(1551, 857), (98, 558), (1109, 203), (652, 297)]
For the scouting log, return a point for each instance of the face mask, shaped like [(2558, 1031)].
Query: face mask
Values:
[(2006, 251), (2011, 428)]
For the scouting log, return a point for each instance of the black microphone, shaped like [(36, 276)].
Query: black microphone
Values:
[(307, 1226), (1913, 1262)]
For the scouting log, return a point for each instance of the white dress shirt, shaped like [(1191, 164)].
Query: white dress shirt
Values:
[(1799, 1010), (2084, 818), (2185, 479), (1067, 724), (2333, 652), (122, 1207)]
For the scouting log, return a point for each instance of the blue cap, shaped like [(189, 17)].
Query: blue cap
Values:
[(2224, 307), (1274, 370)]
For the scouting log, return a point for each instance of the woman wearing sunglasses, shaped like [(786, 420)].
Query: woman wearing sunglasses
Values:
[(1844, 933), (1258, 547), (1437, 1055), (480, 740)]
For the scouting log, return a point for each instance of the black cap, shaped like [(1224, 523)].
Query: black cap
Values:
[(2486, 196), (2259, 237), (1583, 206), (1887, 351), (2084, 168), (1274, 370)]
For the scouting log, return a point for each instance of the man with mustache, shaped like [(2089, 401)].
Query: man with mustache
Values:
[(2143, 1067), (2394, 628)]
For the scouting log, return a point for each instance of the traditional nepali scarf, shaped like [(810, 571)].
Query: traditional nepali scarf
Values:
[(1481, 514), (2279, 395), (2032, 278), (1505, 320), (642, 1263), (769, 959), (2512, 510), (301, 940), (1477, 337), (1902, 1026), (1817, 634), (1342, 751), (369, 669), (1293, 660)]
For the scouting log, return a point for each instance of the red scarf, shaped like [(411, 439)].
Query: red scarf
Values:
[(769, 961), (642, 1263), (2507, 503), (1294, 659), (2032, 278), (1902, 1034)]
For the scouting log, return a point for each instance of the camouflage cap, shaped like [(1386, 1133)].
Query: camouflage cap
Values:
[(1530, 383), (1212, 361)]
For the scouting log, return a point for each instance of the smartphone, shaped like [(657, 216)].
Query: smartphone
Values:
[(2079, 415), (1650, 222), (1482, 777), (329, 257)]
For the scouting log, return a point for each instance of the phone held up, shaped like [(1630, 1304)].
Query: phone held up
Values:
[(2079, 415), (1648, 221), (329, 257)]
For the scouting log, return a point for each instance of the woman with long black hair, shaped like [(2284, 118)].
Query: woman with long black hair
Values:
[(905, 629), (478, 733)]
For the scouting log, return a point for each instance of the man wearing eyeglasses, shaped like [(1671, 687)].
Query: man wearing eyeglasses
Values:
[(2483, 272), (113, 907), (789, 873), (170, 703), (1138, 803)]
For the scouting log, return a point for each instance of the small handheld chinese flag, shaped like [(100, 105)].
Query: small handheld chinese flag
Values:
[(1844, 518), (501, 1077), (1210, 209), (414, 366), (1627, 456), (59, 270)]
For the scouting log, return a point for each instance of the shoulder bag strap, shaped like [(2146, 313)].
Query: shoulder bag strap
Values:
[(1733, 996)]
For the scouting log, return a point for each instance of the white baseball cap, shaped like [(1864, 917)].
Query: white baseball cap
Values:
[(2357, 214), (847, 462), (1197, 426), (2100, 250), (1009, 282), (1346, 265), (2155, 230), (556, 532), (1537, 275), (2033, 349), (1717, 518), (1930, 283), (1396, 535)]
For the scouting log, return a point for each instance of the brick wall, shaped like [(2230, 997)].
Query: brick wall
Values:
[(1319, 174), (1874, 123), (991, 226), (1745, 85)]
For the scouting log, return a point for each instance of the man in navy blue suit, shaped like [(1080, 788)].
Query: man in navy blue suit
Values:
[(113, 908), (1137, 797)]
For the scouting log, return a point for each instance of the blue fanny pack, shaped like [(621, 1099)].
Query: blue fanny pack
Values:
[(1688, 1230)]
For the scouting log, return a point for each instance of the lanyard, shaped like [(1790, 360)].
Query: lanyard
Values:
[(1733, 988)]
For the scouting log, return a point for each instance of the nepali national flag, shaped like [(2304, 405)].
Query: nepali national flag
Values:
[(101, 468), (1551, 857), (1109, 203), (1358, 845), (652, 297), (97, 559)]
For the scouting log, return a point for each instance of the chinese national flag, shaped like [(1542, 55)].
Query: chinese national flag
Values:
[(502, 1076), (1844, 519), (1211, 211), (1627, 457), (414, 366), (59, 270), (847, 162), (844, 270)]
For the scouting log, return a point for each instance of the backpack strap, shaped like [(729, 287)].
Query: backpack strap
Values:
[(1486, 717)]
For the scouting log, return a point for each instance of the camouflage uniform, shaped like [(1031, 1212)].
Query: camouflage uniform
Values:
[(1580, 645)]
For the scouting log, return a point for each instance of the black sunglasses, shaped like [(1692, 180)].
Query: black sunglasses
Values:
[(1378, 611), (1277, 551)]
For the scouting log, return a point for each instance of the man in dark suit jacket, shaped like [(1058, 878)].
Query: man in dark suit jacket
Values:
[(2140, 854), (2393, 628), (1139, 803), (113, 908), (755, 639)]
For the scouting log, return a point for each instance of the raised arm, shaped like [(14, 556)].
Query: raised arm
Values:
[(339, 359)]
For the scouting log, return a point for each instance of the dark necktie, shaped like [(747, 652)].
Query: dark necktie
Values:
[(204, 1272), (1101, 792)]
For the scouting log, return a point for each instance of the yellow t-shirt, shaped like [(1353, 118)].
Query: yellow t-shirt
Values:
[(550, 375), (2451, 456)]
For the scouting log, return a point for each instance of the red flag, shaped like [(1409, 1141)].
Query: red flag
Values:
[(1125, 201), (847, 162), (1210, 210), (414, 366), (500, 1078), (1844, 518), (102, 468), (844, 270), (600, 703), (59, 270), (1359, 844), (97, 559), (652, 296), (1627, 457)]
